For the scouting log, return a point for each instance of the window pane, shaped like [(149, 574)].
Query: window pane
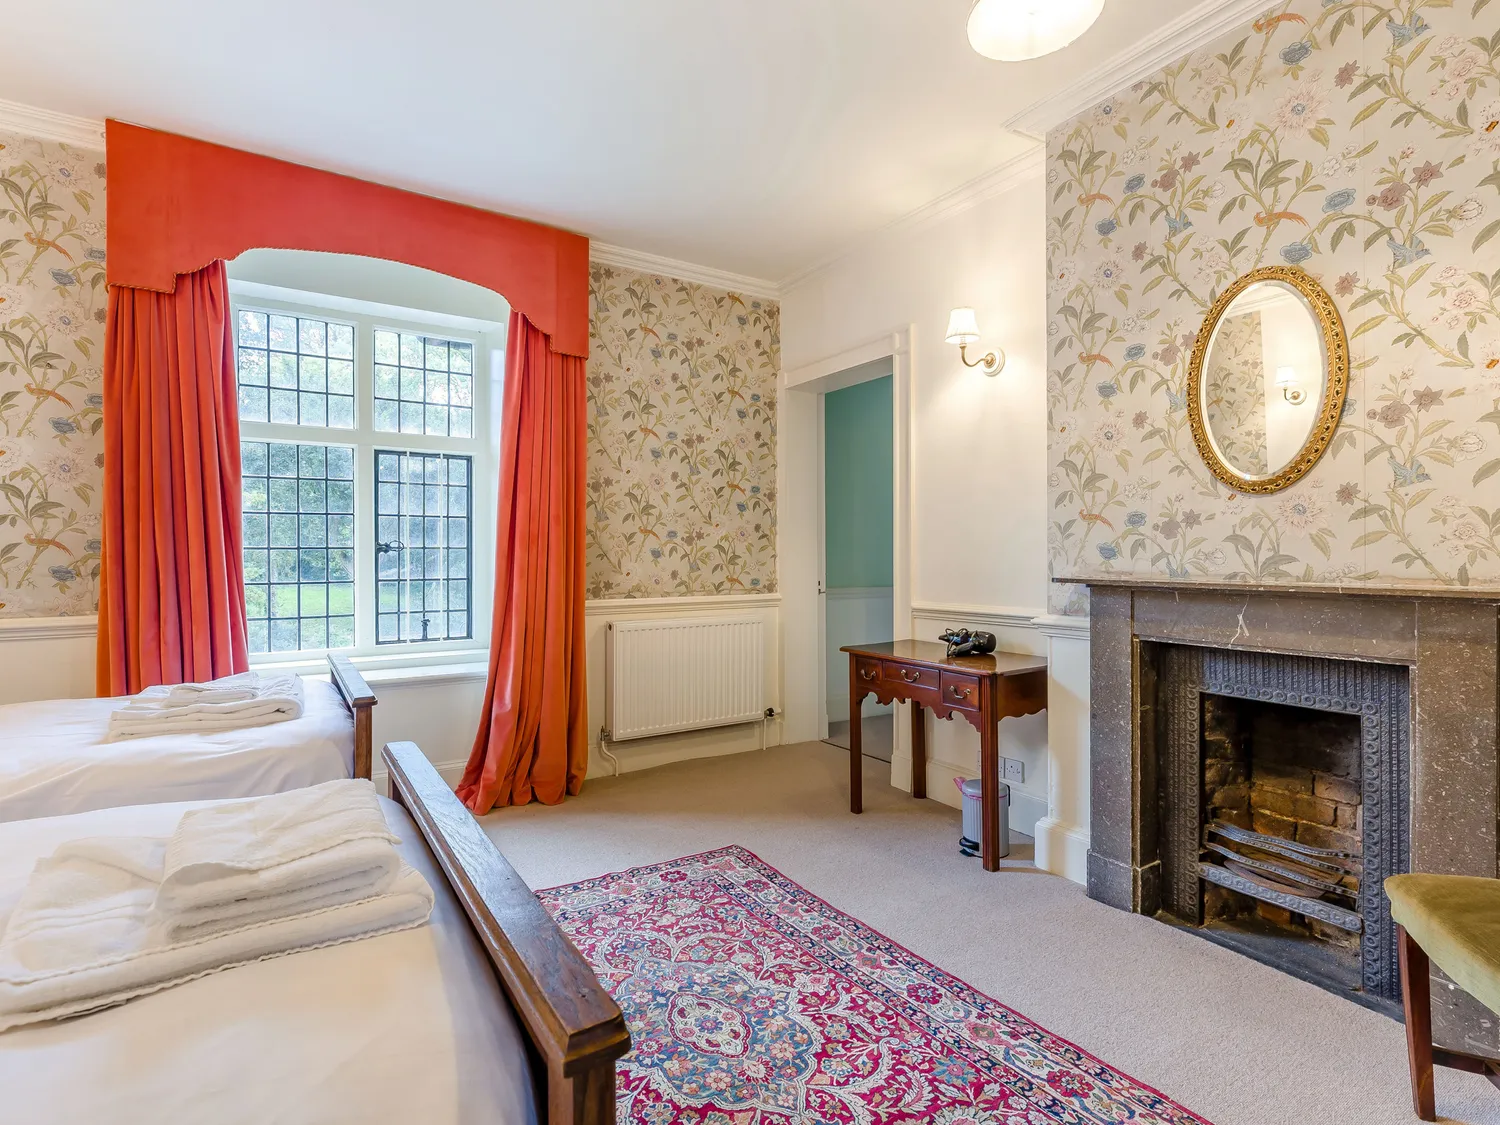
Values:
[(299, 594), (423, 588), (308, 364), (414, 387), (253, 329)]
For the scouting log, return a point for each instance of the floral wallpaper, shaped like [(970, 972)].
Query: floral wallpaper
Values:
[(52, 311), (1359, 140), (682, 438), (1234, 386)]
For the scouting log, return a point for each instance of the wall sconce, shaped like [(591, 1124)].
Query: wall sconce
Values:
[(963, 330), (1286, 379)]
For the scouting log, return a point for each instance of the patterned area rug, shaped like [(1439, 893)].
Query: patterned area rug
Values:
[(753, 1002)]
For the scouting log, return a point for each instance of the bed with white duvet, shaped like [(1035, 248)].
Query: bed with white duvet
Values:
[(56, 758), (433, 1024)]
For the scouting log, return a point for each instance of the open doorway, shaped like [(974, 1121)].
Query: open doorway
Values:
[(858, 506)]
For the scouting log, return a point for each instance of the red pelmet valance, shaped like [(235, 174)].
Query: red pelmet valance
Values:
[(176, 204)]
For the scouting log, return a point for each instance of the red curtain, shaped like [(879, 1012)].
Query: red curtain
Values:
[(533, 741), (171, 594)]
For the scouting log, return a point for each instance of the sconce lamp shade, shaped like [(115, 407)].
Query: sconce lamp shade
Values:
[(963, 327), (1015, 30), (1286, 377)]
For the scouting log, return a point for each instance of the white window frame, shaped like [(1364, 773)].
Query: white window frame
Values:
[(488, 340)]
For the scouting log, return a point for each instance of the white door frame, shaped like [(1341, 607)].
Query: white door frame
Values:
[(800, 463)]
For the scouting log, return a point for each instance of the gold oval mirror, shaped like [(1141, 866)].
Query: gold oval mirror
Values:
[(1267, 381)]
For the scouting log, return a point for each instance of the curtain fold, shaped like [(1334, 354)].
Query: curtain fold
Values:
[(171, 592), (532, 741)]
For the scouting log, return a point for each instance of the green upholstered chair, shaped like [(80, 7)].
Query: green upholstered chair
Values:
[(1452, 921)]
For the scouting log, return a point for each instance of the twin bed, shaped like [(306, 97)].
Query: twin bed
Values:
[(54, 758), (486, 1015)]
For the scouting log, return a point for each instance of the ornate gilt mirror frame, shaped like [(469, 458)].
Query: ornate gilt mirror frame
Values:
[(1335, 347)]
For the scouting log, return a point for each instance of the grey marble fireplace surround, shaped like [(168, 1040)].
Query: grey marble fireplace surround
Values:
[(1429, 713)]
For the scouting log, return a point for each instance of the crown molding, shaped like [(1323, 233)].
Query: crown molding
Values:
[(1195, 28), (44, 124), (997, 181), (625, 258)]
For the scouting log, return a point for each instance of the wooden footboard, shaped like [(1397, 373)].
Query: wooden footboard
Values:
[(358, 697), (574, 1027)]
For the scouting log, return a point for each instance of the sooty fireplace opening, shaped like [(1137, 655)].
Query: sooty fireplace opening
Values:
[(1282, 827), (1282, 804)]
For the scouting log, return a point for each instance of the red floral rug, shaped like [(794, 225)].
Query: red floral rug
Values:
[(753, 1002)]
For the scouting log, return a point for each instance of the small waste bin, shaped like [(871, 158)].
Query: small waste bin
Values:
[(973, 795)]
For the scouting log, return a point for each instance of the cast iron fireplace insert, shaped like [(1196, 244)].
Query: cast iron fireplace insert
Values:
[(1282, 795)]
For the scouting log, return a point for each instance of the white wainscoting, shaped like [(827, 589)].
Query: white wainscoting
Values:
[(953, 746), (437, 706), (47, 658), (644, 753), (854, 615), (1062, 837)]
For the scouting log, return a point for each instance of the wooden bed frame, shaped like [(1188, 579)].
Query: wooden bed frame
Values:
[(359, 700), (574, 1030)]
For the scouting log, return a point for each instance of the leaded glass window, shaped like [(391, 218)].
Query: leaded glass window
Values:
[(295, 370), (363, 440), (299, 545), (423, 385), (422, 538)]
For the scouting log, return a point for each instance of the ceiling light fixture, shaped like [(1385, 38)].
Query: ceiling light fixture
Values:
[(1015, 30)]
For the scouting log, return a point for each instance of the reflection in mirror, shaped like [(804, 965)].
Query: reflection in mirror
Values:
[(1264, 378)]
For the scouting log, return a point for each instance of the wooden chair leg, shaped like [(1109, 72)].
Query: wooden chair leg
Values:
[(1416, 1001)]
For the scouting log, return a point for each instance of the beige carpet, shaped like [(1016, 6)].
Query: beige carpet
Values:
[(1239, 1043)]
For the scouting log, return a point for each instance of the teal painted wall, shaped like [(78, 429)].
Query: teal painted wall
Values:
[(858, 469)]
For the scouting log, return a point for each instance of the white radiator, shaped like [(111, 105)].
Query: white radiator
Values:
[(683, 674)]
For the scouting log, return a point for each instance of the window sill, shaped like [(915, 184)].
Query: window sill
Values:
[(431, 668)]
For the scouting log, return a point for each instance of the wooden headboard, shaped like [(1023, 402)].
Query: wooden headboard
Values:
[(573, 1026), (359, 699)]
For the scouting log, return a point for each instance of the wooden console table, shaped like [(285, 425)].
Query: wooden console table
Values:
[(982, 689)]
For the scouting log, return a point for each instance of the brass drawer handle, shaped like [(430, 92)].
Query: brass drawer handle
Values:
[(867, 673), (911, 679), (960, 693)]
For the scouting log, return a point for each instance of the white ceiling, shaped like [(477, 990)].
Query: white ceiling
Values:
[(749, 137)]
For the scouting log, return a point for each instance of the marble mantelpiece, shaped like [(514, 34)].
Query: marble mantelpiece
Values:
[(1448, 640)]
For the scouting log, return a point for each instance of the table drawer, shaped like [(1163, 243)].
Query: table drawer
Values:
[(915, 684), (866, 672), (961, 692), (904, 676)]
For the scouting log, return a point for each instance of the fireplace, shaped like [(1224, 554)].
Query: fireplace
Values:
[(1263, 757), (1282, 807)]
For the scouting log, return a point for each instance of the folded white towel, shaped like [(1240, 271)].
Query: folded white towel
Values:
[(275, 699), (226, 689), (272, 856), (107, 918), (242, 687), (85, 936)]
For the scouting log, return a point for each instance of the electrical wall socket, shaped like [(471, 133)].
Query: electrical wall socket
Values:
[(1013, 771)]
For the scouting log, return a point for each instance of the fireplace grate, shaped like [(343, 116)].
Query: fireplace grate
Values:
[(1285, 873), (1310, 907)]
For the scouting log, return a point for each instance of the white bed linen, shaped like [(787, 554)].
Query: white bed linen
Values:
[(54, 758), (404, 1028)]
